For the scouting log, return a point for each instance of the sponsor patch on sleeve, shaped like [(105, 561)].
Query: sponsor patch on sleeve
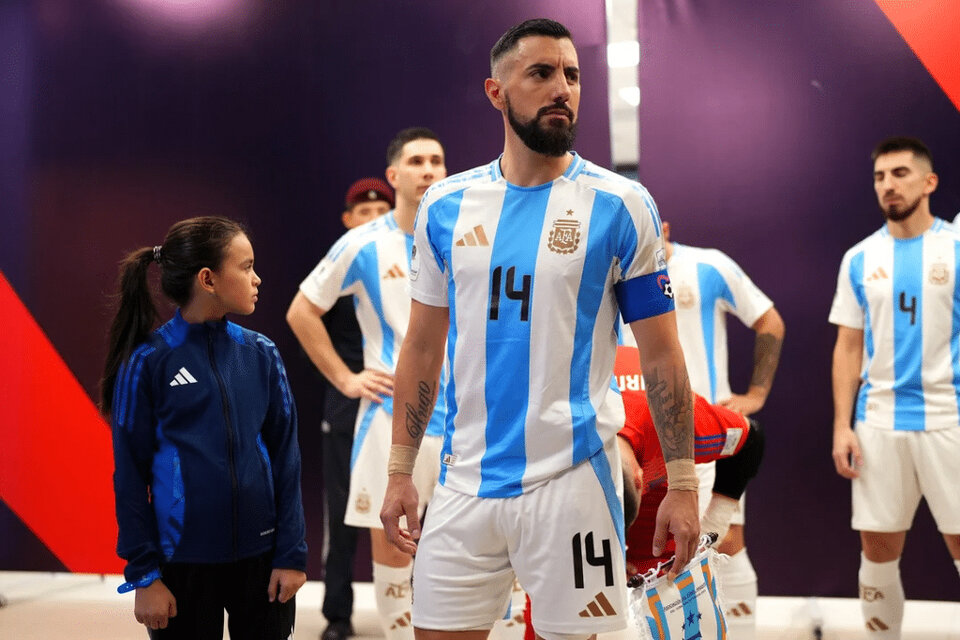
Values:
[(414, 264)]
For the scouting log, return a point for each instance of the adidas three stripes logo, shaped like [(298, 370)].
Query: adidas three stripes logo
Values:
[(183, 377)]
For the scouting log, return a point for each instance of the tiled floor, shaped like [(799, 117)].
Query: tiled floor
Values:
[(87, 607)]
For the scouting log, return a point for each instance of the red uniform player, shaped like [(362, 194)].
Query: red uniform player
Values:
[(734, 441)]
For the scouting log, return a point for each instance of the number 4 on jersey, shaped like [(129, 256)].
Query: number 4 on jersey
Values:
[(912, 309)]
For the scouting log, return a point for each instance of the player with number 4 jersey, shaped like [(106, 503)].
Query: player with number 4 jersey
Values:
[(896, 371)]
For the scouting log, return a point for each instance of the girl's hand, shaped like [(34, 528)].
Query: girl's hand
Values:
[(284, 584), (154, 605)]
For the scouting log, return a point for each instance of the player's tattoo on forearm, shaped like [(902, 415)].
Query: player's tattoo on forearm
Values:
[(766, 357), (418, 416), (671, 406)]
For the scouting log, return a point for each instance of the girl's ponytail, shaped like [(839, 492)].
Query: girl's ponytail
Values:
[(135, 318)]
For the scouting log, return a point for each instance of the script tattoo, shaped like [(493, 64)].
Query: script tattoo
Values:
[(672, 409), (766, 356), (418, 416)]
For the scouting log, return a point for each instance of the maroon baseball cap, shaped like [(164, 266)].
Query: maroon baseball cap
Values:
[(369, 190)]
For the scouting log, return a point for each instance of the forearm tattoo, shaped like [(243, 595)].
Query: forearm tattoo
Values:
[(766, 357), (671, 406), (418, 416)]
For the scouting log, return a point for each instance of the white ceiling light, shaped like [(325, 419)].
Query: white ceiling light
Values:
[(623, 54), (630, 95)]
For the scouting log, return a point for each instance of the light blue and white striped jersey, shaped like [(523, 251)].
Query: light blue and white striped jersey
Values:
[(371, 263), (707, 285), (903, 294), (534, 278)]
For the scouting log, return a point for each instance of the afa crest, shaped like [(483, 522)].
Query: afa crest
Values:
[(939, 273), (363, 502), (684, 297), (565, 235)]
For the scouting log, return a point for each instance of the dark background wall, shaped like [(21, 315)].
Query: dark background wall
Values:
[(120, 117), (756, 124), (757, 118)]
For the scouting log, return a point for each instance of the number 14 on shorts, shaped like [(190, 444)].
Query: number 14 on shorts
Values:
[(584, 547)]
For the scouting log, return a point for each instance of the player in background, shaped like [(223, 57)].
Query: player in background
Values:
[(521, 268), (707, 286), (366, 199), (896, 373), (371, 263)]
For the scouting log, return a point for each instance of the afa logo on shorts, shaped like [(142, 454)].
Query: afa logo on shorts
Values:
[(363, 502)]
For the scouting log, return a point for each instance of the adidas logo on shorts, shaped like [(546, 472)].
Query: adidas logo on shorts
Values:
[(598, 608)]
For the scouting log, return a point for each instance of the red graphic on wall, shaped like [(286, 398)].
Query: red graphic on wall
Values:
[(930, 27), (56, 460)]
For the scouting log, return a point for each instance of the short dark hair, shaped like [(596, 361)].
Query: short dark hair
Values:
[(535, 27), (395, 148), (903, 143)]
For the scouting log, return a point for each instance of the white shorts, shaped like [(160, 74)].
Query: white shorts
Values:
[(368, 466), (899, 467), (563, 541), (706, 472)]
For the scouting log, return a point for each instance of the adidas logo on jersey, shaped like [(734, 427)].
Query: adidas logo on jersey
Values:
[(394, 272), (879, 274), (598, 608), (183, 377), (475, 238)]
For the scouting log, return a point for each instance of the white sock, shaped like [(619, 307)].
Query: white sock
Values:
[(881, 598), (739, 583), (512, 627), (717, 515), (391, 587)]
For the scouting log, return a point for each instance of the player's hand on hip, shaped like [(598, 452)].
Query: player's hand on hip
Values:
[(284, 584), (678, 515), (746, 404), (400, 500), (154, 605), (369, 384), (847, 457)]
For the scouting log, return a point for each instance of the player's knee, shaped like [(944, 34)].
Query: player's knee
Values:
[(735, 472)]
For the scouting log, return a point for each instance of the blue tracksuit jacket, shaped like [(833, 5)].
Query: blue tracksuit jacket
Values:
[(206, 451)]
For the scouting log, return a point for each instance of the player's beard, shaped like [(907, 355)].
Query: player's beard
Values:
[(893, 214), (549, 141)]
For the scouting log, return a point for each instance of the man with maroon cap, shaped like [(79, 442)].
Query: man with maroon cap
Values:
[(366, 199)]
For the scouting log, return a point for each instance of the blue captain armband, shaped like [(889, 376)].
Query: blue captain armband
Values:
[(644, 296), (145, 581)]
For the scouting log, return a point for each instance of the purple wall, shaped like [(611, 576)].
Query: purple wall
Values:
[(124, 121), (756, 124)]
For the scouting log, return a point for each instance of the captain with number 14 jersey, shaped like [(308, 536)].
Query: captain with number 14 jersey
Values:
[(534, 278)]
